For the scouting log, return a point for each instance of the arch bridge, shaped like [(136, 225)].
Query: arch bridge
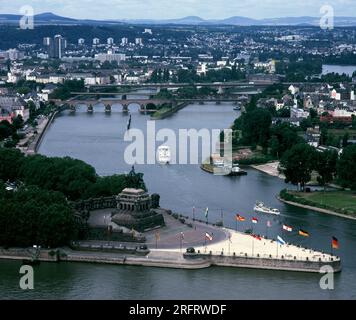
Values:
[(146, 105)]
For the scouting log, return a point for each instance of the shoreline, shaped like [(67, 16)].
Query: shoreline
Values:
[(316, 209), (34, 145), (169, 112), (270, 168), (233, 251)]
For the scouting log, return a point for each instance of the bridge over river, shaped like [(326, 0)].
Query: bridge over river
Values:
[(146, 105)]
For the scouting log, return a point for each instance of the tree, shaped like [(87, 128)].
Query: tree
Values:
[(326, 166), (255, 127), (18, 122), (284, 136), (345, 139), (6, 130), (346, 169), (298, 163), (33, 216), (155, 200), (11, 161)]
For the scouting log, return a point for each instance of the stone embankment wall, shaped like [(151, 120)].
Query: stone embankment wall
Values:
[(267, 263)]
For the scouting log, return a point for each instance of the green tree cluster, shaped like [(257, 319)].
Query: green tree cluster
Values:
[(73, 178), (32, 216)]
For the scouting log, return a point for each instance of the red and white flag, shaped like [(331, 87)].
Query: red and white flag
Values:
[(208, 236), (287, 228), (254, 220)]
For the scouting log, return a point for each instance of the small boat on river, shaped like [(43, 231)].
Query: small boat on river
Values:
[(262, 208)]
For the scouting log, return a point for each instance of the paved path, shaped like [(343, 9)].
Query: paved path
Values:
[(170, 235)]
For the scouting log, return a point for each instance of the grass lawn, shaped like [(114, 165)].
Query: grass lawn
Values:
[(159, 113), (345, 200)]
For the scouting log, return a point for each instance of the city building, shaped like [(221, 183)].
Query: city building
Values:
[(138, 41), (96, 41), (110, 41), (124, 41), (55, 47), (110, 56)]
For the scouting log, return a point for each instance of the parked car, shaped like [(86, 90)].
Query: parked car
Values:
[(190, 250)]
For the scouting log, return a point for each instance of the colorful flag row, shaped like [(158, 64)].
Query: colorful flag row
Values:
[(285, 227)]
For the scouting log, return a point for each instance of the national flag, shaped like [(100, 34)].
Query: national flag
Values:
[(254, 220), (269, 224), (303, 233), (240, 218), (206, 212), (335, 243), (280, 240), (208, 236), (287, 228)]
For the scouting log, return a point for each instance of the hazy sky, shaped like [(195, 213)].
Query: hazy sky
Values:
[(165, 9)]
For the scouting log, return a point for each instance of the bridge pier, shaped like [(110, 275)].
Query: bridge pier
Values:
[(72, 108), (90, 108), (108, 108), (221, 90), (125, 108), (143, 107)]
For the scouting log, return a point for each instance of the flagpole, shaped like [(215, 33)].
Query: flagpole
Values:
[(332, 252), (236, 223), (277, 249), (180, 242), (229, 243)]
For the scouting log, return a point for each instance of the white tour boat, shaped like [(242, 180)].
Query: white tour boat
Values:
[(164, 155), (261, 207)]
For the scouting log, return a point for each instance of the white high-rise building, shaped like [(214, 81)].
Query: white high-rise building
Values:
[(124, 41), (47, 41), (149, 31), (110, 41), (138, 41), (81, 41), (96, 41)]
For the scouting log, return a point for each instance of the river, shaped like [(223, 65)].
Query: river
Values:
[(98, 139), (330, 68)]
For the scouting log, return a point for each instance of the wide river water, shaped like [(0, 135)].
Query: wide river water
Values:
[(98, 140)]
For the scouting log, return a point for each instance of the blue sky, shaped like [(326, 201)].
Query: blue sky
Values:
[(166, 9)]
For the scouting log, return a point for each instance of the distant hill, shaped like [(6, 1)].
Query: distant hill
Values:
[(53, 19)]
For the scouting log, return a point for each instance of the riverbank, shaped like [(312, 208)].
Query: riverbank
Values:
[(228, 248), (166, 112), (32, 143), (228, 253), (301, 200), (270, 168)]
